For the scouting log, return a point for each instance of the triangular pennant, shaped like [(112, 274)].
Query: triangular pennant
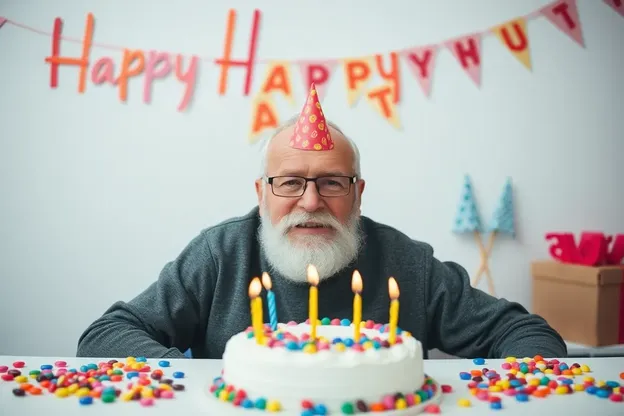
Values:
[(357, 72), (617, 5), (467, 51), (317, 73), (278, 79), (564, 14), (3, 20), (264, 116), (421, 61), (514, 36), (380, 98)]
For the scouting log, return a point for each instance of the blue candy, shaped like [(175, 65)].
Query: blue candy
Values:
[(85, 400), (260, 403), (320, 409), (603, 393), (465, 376), (479, 361), (292, 345), (522, 397), (247, 404), (591, 389), (345, 322), (178, 374), (336, 340), (348, 342), (141, 360), (279, 336), (132, 374), (46, 367), (613, 384), (567, 381), (163, 363), (496, 405), (307, 412)]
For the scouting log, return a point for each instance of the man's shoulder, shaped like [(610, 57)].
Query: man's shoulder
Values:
[(392, 238), (234, 227)]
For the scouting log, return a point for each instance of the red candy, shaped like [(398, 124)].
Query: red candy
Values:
[(4, 369), (446, 388), (616, 397), (19, 364), (306, 404), (432, 408), (7, 377)]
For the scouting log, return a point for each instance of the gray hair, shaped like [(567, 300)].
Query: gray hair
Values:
[(291, 122)]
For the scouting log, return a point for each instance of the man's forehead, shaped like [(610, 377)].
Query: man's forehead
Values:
[(285, 158)]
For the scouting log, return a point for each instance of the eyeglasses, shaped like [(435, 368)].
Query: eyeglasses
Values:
[(295, 186)]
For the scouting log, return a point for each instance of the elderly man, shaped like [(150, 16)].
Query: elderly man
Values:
[(309, 213)]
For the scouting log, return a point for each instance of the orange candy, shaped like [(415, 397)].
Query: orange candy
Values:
[(377, 407), (476, 373), (35, 391), (622, 376)]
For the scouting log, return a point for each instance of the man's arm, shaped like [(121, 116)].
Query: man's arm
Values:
[(161, 321), (467, 322)]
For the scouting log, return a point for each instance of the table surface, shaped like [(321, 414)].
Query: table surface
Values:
[(196, 400)]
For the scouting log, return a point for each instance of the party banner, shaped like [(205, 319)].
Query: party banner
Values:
[(375, 79)]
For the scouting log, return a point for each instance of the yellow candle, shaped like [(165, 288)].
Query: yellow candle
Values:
[(356, 286), (393, 290), (255, 287), (313, 279)]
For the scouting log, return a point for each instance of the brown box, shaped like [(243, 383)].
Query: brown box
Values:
[(583, 303)]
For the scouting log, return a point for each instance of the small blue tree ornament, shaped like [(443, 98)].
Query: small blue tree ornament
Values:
[(502, 221), (467, 219)]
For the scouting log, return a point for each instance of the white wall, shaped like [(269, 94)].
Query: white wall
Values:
[(98, 195)]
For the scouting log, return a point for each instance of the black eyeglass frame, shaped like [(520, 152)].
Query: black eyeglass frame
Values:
[(269, 180)]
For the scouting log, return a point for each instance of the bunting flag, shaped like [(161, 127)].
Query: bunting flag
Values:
[(617, 5), (375, 78)]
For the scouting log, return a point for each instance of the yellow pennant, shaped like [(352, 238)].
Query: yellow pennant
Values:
[(381, 99), (357, 72), (513, 35), (264, 116)]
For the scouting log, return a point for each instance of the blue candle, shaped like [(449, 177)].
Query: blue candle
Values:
[(266, 282)]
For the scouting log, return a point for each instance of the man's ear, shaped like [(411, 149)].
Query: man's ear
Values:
[(359, 189), (259, 192)]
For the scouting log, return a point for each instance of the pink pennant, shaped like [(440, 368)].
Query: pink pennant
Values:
[(421, 60), (617, 5), (467, 51), (3, 20), (317, 73), (564, 15)]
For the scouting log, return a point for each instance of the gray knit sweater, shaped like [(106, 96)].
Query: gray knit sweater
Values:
[(201, 299)]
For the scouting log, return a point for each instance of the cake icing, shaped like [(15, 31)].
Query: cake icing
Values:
[(287, 368)]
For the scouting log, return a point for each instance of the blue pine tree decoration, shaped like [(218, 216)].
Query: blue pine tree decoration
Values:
[(502, 221), (467, 219)]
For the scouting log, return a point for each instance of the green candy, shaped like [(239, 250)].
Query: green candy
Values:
[(117, 372), (347, 408), (108, 398), (423, 395), (231, 396), (325, 321), (34, 372), (217, 392), (544, 381)]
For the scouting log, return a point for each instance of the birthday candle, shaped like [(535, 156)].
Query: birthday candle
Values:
[(356, 286), (266, 282), (313, 279), (393, 290), (255, 287)]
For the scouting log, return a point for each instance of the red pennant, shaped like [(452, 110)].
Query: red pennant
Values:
[(317, 73), (564, 15), (421, 61), (3, 20), (617, 5), (467, 51)]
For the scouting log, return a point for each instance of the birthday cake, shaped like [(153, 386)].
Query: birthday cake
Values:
[(330, 367)]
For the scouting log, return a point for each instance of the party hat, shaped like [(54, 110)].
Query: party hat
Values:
[(503, 219), (467, 219), (311, 130)]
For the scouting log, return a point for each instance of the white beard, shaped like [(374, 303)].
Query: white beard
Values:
[(328, 255)]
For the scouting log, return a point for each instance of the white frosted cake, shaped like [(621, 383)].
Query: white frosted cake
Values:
[(333, 375)]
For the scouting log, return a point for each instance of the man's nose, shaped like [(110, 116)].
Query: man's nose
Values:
[(311, 200)]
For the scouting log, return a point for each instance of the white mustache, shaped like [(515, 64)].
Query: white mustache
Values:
[(299, 218)]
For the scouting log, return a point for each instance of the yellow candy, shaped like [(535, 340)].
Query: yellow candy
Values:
[(118, 365), (548, 371), (309, 348), (417, 399), (400, 404), (561, 390), (541, 366), (588, 379), (579, 387), (474, 391), (510, 359), (223, 395), (323, 339), (535, 382), (600, 383), (505, 384), (340, 347), (130, 359), (136, 366), (367, 345), (61, 392), (514, 371), (527, 359), (585, 368), (165, 386), (72, 388), (109, 372), (616, 390), (463, 403), (406, 334), (127, 396), (273, 406), (147, 393), (21, 379), (520, 375), (83, 391), (495, 389)]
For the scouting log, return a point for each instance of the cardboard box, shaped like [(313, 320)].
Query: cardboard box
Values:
[(584, 304)]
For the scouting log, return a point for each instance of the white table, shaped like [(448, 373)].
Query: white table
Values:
[(195, 400)]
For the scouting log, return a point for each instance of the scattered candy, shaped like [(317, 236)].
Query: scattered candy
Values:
[(479, 361), (463, 403)]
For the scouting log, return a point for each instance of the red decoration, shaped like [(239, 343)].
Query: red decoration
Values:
[(592, 250), (311, 131)]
